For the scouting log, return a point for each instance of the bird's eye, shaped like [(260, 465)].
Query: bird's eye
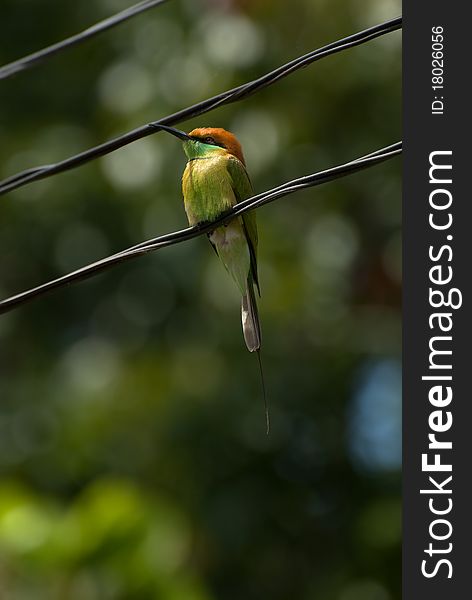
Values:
[(209, 140)]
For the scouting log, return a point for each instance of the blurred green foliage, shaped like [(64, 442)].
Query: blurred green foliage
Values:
[(133, 456)]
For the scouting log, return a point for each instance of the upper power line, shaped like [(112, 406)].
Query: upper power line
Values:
[(41, 55)]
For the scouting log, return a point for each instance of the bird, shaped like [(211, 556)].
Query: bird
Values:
[(214, 180)]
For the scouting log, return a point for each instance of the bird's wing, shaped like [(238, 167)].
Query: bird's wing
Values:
[(243, 189)]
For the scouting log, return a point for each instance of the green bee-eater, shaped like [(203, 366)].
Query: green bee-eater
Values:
[(214, 180)]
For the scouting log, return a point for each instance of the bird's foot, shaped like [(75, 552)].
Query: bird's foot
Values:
[(202, 224)]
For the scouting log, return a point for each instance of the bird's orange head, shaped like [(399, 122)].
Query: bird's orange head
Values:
[(217, 136)]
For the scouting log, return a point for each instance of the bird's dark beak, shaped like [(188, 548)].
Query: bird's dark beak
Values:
[(180, 134)]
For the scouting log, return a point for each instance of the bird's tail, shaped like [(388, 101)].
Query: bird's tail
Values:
[(250, 318), (252, 334)]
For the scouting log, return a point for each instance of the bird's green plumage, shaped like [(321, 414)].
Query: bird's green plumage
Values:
[(213, 182), (242, 188), (207, 188)]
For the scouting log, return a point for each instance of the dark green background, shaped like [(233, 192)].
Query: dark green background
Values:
[(133, 456)]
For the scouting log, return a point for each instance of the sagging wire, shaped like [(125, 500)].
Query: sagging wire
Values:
[(40, 56)]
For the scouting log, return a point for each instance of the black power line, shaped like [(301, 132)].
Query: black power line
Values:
[(177, 237), (37, 57), (233, 95)]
